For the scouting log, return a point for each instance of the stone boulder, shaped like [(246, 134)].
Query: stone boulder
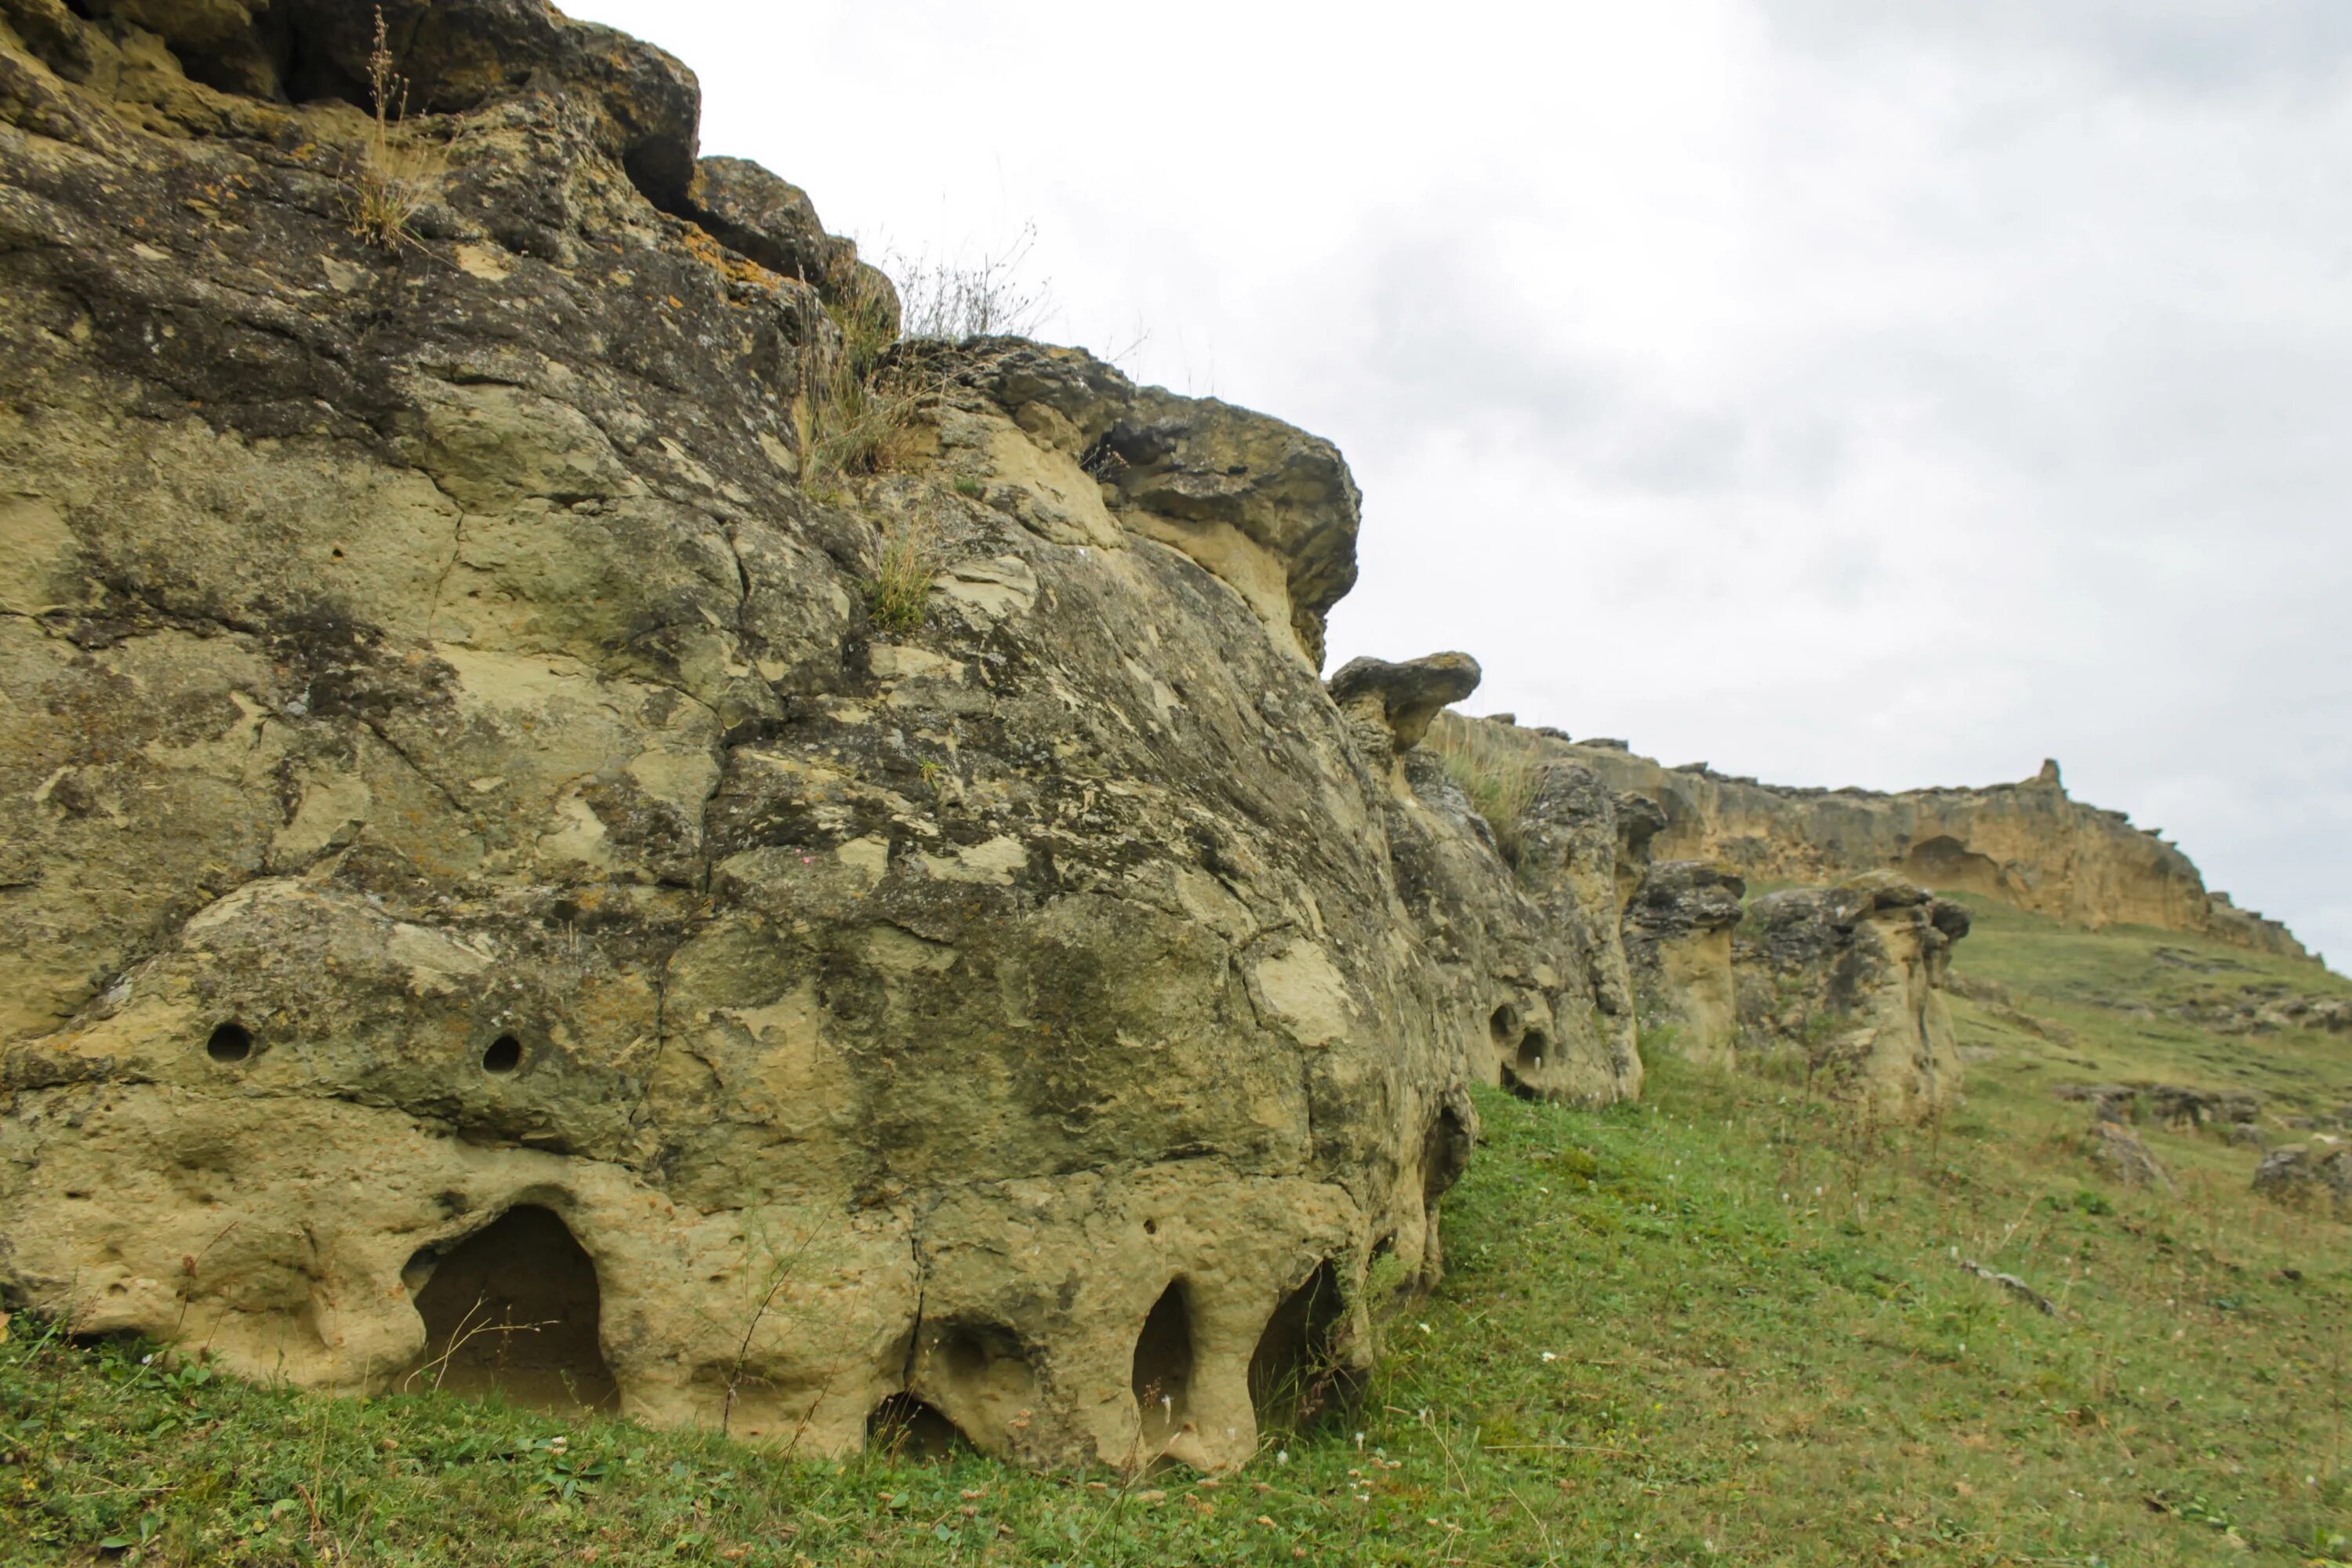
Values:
[(1849, 981), (1678, 931), (1268, 509), (2121, 1152), (467, 848), (2308, 1176)]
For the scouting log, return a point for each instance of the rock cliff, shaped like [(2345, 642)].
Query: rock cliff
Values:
[(2029, 843), (475, 858)]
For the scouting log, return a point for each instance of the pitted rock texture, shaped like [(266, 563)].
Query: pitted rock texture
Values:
[(2028, 845), (1849, 981), (1540, 998), (467, 845), (1678, 947)]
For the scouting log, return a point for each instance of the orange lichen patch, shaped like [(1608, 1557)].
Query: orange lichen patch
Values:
[(738, 269)]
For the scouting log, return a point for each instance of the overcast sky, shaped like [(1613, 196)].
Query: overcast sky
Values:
[(1874, 392)]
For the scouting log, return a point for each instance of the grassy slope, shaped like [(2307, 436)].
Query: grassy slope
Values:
[(1727, 1324)]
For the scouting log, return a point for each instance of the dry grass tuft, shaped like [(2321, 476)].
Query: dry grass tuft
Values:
[(988, 298), (395, 174), (1498, 777), (899, 596)]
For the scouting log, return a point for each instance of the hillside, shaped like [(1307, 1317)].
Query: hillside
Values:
[(1727, 1324)]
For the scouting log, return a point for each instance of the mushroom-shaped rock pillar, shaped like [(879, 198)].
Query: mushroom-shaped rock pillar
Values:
[(1405, 697)]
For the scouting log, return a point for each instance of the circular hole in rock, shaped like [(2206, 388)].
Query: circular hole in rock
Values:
[(230, 1042), (504, 1056)]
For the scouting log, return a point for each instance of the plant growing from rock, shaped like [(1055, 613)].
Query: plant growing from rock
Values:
[(395, 172), (952, 302), (1498, 778), (898, 593)]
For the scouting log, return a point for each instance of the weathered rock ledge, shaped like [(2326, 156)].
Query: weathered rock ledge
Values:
[(2027, 844)]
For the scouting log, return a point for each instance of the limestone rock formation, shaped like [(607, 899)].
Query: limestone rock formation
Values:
[(469, 853), (1678, 945), (1849, 982), (2028, 845), (1525, 937)]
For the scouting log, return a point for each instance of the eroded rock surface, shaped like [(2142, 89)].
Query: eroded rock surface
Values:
[(1848, 983), (1405, 697), (1678, 945), (2028, 845), (468, 847)]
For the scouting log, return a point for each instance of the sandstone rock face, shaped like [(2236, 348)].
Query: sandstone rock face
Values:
[(1678, 945), (1850, 979), (1536, 995), (2027, 845), (470, 856)]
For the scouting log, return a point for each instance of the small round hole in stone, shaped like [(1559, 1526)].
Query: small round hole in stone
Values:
[(504, 1056), (229, 1042)]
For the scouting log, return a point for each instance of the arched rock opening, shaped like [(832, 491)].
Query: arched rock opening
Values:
[(1296, 1374), (513, 1309), (907, 1427), (1533, 1048), (1163, 1368)]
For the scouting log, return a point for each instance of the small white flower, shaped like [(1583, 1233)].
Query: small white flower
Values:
[(1422, 1327), (1548, 1356), (146, 1360), (1282, 1455)]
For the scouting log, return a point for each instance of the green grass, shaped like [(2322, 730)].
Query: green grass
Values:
[(1727, 1325)]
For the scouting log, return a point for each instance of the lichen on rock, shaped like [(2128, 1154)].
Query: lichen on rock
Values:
[(467, 839), (1847, 985)]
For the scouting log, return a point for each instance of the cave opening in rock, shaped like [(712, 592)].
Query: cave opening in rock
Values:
[(1503, 1026), (504, 1056), (1445, 1155), (1296, 1373), (513, 1309), (230, 1042), (1162, 1378), (1532, 1046), (907, 1427)]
